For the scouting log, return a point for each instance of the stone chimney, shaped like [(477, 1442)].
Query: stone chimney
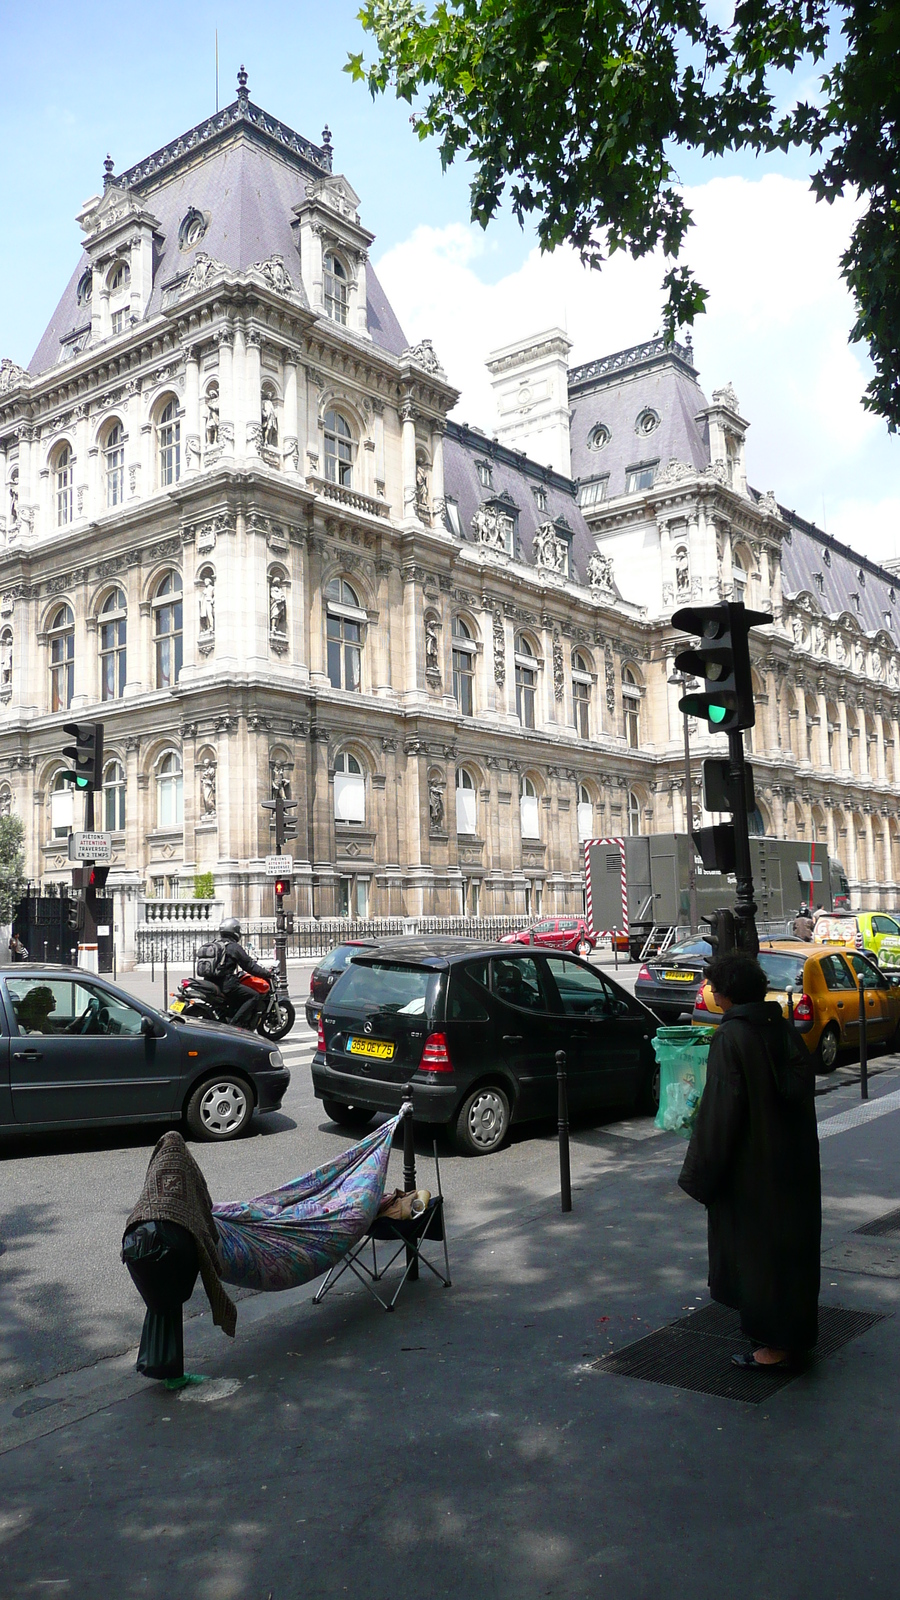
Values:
[(530, 380)]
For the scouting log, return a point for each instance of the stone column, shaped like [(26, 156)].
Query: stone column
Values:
[(191, 409), (863, 748), (437, 473), (290, 415), (871, 872), (879, 745), (822, 703), (408, 460), (225, 338), (846, 762), (252, 394)]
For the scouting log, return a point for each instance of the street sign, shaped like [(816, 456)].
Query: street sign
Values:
[(279, 866), (90, 847)]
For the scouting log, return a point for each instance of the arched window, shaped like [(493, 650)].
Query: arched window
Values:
[(168, 440), (526, 681), (62, 807), (529, 813), (349, 790), (167, 629), (114, 797), (118, 286), (464, 650), (631, 707), (170, 791), (585, 814), (466, 802), (64, 473), (634, 812), (343, 635), (120, 279), (581, 695), (114, 455), (739, 577), (112, 646), (336, 288), (62, 658), (338, 449)]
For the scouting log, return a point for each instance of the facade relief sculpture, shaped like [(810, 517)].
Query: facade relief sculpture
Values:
[(211, 421), (269, 423), (208, 788), (432, 647), (435, 806), (600, 573), (278, 634), (550, 552), (499, 650), (206, 605), (490, 527)]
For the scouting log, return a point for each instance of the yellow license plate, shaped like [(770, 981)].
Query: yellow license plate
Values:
[(177, 1005), (679, 977), (379, 1048)]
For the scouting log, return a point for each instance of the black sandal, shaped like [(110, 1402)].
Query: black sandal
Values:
[(748, 1363)]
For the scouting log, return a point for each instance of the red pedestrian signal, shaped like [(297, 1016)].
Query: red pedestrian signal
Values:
[(282, 887)]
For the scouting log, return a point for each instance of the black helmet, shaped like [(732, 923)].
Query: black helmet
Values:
[(230, 929)]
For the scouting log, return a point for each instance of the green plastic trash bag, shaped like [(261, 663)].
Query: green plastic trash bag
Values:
[(681, 1053)]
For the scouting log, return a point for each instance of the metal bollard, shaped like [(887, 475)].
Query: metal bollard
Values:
[(863, 1042), (152, 963), (565, 1173), (165, 978), (790, 1001), (615, 945), (409, 1173)]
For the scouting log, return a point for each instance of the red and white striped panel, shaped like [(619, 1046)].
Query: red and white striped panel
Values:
[(603, 933)]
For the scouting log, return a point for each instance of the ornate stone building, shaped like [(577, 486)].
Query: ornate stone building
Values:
[(237, 526)]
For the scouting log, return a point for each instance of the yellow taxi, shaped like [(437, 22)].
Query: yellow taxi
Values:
[(874, 931), (825, 990)]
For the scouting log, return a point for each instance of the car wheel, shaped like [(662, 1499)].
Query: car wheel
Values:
[(278, 1021), (220, 1108), (347, 1116), (583, 949), (827, 1052), (483, 1121), (648, 1097)]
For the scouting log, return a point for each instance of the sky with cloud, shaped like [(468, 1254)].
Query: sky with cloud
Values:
[(778, 316)]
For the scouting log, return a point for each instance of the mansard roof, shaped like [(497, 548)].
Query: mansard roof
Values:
[(245, 172), (838, 578), (614, 392), (514, 477)]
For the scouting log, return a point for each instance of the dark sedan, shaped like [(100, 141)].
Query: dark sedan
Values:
[(326, 974), (77, 1052), (668, 983), (475, 1032)]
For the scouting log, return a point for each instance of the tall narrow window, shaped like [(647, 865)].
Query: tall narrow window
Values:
[(168, 433), (62, 658), (62, 807), (338, 449), (634, 813), (349, 790), (167, 630), (739, 579), (114, 797), (463, 668), (631, 708), (529, 815), (64, 472), (114, 453), (526, 681), (585, 814), (118, 286), (581, 695), (112, 646), (336, 288), (343, 631), (466, 802), (170, 791)]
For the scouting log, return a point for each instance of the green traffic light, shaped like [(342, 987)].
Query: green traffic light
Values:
[(81, 783), (717, 713)]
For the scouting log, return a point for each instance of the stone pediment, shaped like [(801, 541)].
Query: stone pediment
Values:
[(335, 194), (117, 207)]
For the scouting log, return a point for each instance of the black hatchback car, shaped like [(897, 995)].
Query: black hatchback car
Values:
[(326, 974), (669, 983), (475, 1031), (76, 1052)]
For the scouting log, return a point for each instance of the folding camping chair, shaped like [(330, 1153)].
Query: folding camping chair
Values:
[(408, 1237)]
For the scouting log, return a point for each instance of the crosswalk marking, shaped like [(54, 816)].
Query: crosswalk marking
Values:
[(864, 1112)]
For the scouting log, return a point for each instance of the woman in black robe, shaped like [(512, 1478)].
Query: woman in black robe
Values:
[(753, 1161)]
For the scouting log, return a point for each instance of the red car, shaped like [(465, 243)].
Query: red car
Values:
[(559, 933)]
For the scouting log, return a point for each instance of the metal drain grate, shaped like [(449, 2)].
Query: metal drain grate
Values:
[(889, 1223), (695, 1353)]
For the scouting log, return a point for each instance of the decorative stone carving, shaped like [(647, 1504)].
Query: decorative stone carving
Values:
[(205, 268), (600, 573), (676, 471), (682, 572), (877, 665), (423, 354), (292, 454), (432, 647), (820, 638), (11, 375), (281, 783), (489, 527), (5, 801), (716, 470), (211, 423), (254, 436), (550, 552), (435, 806), (559, 671), (893, 673), (423, 509), (609, 667), (726, 397), (840, 650), (269, 423), (206, 603), (275, 274), (192, 452), (499, 650), (277, 608), (208, 788)]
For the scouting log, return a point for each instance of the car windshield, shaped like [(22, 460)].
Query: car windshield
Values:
[(782, 971), (386, 986), (688, 947), (337, 960)]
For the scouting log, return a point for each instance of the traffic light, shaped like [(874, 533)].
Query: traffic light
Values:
[(282, 887), (716, 847), (96, 878), (75, 915), (86, 754), (722, 659), (719, 787), (721, 931), (283, 819)]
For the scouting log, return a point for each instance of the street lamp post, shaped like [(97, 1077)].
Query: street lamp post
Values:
[(683, 681)]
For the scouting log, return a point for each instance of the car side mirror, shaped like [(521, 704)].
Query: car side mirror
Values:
[(150, 1029)]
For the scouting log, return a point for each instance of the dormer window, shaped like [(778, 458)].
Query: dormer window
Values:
[(819, 578), (336, 288), (640, 477), (591, 493), (484, 474), (540, 497), (120, 279), (117, 287)]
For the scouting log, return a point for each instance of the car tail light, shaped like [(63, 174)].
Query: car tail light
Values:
[(436, 1056), (320, 1036), (858, 941), (803, 1009), (312, 981), (645, 975), (700, 1002)]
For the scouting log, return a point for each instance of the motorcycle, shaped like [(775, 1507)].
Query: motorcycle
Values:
[(201, 1000)]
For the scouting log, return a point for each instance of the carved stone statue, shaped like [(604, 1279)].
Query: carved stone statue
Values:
[(11, 375), (14, 503), (423, 355), (877, 667), (682, 571), (5, 802), (277, 606), (487, 528), (281, 784), (859, 657), (206, 601), (435, 807), (208, 788), (269, 423), (797, 627), (432, 645), (212, 417), (422, 505), (840, 650), (893, 672), (6, 661), (275, 274), (821, 641), (600, 572), (549, 551)]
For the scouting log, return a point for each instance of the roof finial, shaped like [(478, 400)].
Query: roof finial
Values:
[(108, 170), (243, 91), (326, 145)]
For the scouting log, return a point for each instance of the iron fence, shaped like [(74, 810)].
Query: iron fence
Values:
[(309, 940)]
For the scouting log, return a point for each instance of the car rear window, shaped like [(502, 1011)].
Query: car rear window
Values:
[(337, 960), (783, 972), (835, 930), (387, 986), (688, 947)]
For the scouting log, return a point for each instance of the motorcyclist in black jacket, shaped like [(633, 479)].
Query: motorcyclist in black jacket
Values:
[(232, 960)]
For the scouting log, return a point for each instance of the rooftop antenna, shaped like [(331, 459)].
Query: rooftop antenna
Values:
[(217, 72)]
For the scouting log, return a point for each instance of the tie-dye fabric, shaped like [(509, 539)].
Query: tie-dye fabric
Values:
[(292, 1235)]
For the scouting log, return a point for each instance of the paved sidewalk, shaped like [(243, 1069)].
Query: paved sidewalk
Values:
[(466, 1446)]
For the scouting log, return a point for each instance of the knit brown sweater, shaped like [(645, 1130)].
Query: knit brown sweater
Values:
[(175, 1191)]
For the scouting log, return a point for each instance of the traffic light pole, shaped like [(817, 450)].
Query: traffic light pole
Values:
[(280, 934), (747, 937), (689, 814)]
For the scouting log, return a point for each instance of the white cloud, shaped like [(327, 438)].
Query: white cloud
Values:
[(776, 327)]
